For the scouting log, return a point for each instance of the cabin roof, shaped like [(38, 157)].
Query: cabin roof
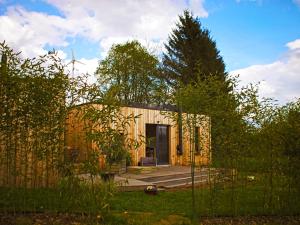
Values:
[(166, 107)]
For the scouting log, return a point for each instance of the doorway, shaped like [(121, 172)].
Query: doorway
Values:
[(157, 143)]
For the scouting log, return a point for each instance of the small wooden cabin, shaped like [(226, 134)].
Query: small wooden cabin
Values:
[(170, 144)]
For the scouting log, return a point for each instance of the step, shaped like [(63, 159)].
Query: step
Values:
[(183, 185), (141, 169), (164, 177), (171, 177), (181, 181)]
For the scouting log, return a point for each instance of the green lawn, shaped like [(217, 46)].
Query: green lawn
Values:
[(218, 201), (245, 199), (222, 202)]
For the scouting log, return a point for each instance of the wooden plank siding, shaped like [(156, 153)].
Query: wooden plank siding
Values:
[(75, 135)]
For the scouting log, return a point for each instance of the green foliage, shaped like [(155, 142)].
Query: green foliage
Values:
[(255, 138), (250, 202), (133, 71), (195, 70), (35, 99), (289, 128), (32, 114), (108, 129), (190, 50), (206, 99), (81, 196), (229, 127), (71, 195), (279, 142)]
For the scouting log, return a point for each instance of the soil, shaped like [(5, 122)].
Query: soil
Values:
[(42, 219), (253, 220), (77, 219)]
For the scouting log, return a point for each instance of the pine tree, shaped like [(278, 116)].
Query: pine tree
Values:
[(191, 52), (193, 62)]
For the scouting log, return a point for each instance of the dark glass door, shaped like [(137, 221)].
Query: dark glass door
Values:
[(162, 145)]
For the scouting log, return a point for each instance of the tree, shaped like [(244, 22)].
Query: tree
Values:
[(32, 116), (190, 50), (108, 130), (287, 139), (192, 58), (132, 69)]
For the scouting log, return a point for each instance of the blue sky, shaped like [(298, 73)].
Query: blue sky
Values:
[(258, 39), (252, 32)]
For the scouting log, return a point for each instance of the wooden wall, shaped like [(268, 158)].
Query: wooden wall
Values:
[(75, 134)]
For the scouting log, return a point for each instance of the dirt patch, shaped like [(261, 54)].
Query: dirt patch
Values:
[(174, 220), (252, 220), (45, 219), (138, 218)]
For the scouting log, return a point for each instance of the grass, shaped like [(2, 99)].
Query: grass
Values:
[(243, 199), (220, 201)]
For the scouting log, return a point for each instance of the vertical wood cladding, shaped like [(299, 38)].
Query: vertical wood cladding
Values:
[(75, 135)]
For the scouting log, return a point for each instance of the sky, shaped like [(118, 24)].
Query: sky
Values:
[(258, 39)]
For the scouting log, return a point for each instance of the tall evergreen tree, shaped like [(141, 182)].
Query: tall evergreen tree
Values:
[(191, 52), (193, 62)]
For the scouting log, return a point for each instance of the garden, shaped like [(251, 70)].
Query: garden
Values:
[(39, 182)]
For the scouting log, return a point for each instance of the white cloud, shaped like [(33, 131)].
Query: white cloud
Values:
[(30, 32), (279, 80), (197, 6), (293, 45), (154, 47), (61, 54), (147, 19), (297, 2), (105, 22), (84, 66), (109, 22)]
